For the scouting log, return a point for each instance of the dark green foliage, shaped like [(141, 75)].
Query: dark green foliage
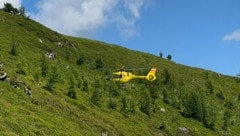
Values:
[(50, 85), (132, 106), (220, 95), (81, 59), (160, 54), (85, 85), (153, 92), (124, 108), (114, 91), (14, 46), (20, 69), (195, 106), (112, 103), (71, 89), (229, 104), (22, 11), (226, 119), (210, 117), (206, 75), (166, 96), (145, 102), (9, 8), (99, 63), (36, 77), (166, 76), (169, 57), (96, 97), (68, 55), (209, 86), (44, 66), (54, 78), (228, 114)]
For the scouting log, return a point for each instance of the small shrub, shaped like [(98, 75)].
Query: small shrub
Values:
[(220, 95), (96, 97), (81, 60), (112, 104), (99, 64), (71, 90)]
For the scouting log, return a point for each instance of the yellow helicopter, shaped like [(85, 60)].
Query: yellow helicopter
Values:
[(124, 76)]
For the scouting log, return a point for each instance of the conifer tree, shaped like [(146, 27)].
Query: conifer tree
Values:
[(14, 47), (209, 86), (96, 97), (44, 66), (167, 76), (54, 78), (124, 108), (97, 93), (81, 59), (71, 89), (99, 64), (22, 11), (85, 85), (145, 103)]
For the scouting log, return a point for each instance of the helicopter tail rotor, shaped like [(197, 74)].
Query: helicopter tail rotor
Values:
[(151, 75)]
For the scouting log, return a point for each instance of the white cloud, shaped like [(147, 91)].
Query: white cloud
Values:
[(15, 3), (234, 36), (134, 6), (84, 17), (74, 17)]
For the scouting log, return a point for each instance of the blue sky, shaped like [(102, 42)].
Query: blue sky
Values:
[(197, 33)]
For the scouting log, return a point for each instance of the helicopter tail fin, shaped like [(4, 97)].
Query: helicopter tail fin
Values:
[(151, 75)]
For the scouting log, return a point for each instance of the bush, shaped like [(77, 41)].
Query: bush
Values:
[(209, 87), (81, 60), (145, 102), (71, 90), (99, 64), (112, 104), (44, 66), (14, 47), (220, 95), (96, 97)]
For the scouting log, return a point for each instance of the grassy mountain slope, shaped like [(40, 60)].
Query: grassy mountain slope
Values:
[(70, 95)]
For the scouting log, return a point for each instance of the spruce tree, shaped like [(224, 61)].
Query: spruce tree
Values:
[(71, 89), (145, 103), (44, 66)]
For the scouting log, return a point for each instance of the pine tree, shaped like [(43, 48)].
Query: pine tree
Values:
[(85, 85), (81, 59), (68, 54), (44, 66), (99, 64), (167, 76), (71, 89), (54, 78), (96, 97), (22, 11), (145, 103), (160, 54), (209, 86), (124, 108), (14, 47)]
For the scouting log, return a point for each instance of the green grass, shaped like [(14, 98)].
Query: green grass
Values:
[(54, 113)]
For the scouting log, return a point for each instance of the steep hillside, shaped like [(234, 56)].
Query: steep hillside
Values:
[(70, 95)]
